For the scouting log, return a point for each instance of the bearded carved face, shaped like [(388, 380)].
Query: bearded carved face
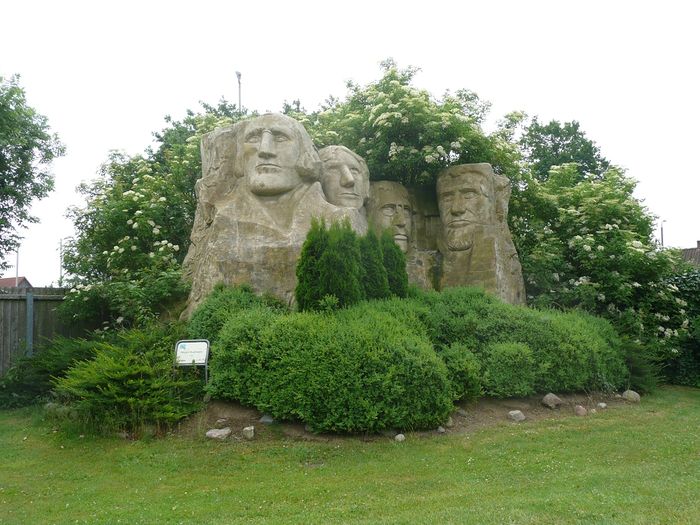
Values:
[(466, 206)]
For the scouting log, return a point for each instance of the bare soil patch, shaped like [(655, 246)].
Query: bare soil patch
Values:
[(467, 417)]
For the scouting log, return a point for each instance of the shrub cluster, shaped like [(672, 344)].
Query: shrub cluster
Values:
[(400, 363), (30, 379), (337, 268), (353, 371), (130, 382)]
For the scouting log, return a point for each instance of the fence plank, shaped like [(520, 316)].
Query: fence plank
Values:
[(13, 321)]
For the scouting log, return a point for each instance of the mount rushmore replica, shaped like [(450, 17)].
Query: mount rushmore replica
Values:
[(263, 182)]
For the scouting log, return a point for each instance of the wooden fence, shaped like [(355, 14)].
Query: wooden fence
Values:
[(17, 337)]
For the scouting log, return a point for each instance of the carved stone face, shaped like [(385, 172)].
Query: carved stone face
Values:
[(391, 209), (344, 179), (465, 206), (271, 150)]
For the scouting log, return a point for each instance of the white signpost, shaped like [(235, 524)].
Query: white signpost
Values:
[(193, 352)]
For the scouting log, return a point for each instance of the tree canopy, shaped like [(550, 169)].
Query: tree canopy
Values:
[(27, 148)]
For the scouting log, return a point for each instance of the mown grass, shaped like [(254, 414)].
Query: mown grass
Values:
[(628, 465)]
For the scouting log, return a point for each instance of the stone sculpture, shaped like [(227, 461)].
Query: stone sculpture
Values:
[(344, 177), (476, 246), (259, 192), (389, 208), (263, 182)]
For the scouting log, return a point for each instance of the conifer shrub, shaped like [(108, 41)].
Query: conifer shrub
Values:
[(355, 370), (29, 380), (223, 303), (309, 292), (395, 264), (131, 382), (340, 267), (375, 282)]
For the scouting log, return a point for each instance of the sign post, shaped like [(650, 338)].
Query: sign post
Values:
[(193, 352)]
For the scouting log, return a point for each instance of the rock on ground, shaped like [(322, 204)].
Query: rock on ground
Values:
[(267, 419), (580, 411), (399, 437), (516, 415), (219, 433), (551, 401), (602, 406), (631, 395), (249, 432)]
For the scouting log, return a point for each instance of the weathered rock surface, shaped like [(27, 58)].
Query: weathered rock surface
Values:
[(552, 401), (476, 245), (631, 396), (441, 430), (602, 405), (580, 411), (516, 415), (219, 433), (449, 423), (267, 419), (259, 191), (222, 422), (249, 432), (399, 438)]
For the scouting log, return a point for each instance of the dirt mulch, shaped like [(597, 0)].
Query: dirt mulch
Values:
[(468, 417)]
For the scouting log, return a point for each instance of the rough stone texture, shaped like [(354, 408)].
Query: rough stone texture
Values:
[(399, 438), (593, 411), (389, 207), (260, 189), (580, 411), (449, 423), (222, 422), (631, 395), (219, 433), (267, 419), (476, 245), (602, 406), (462, 412), (249, 432), (516, 415), (551, 401), (441, 430)]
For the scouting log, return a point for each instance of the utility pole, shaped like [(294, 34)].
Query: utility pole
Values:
[(60, 262), (662, 233), (240, 108)]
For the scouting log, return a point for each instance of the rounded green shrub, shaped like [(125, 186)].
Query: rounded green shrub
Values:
[(356, 370), (464, 371), (509, 370), (223, 303)]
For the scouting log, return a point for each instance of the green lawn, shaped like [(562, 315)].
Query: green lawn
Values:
[(627, 465)]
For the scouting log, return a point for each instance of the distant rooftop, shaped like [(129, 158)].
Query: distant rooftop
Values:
[(692, 255), (15, 282)]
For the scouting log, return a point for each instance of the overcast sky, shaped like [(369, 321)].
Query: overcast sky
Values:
[(105, 74)]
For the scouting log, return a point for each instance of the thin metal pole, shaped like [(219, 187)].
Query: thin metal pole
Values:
[(240, 108), (17, 270), (30, 323)]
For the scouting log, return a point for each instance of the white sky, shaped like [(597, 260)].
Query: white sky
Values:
[(105, 74)]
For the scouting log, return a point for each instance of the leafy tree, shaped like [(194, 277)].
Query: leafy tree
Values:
[(309, 292), (375, 282), (395, 264), (554, 144), (593, 248), (403, 133), (124, 263), (26, 149)]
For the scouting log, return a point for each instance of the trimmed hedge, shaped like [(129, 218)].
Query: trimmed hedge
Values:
[(351, 371)]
